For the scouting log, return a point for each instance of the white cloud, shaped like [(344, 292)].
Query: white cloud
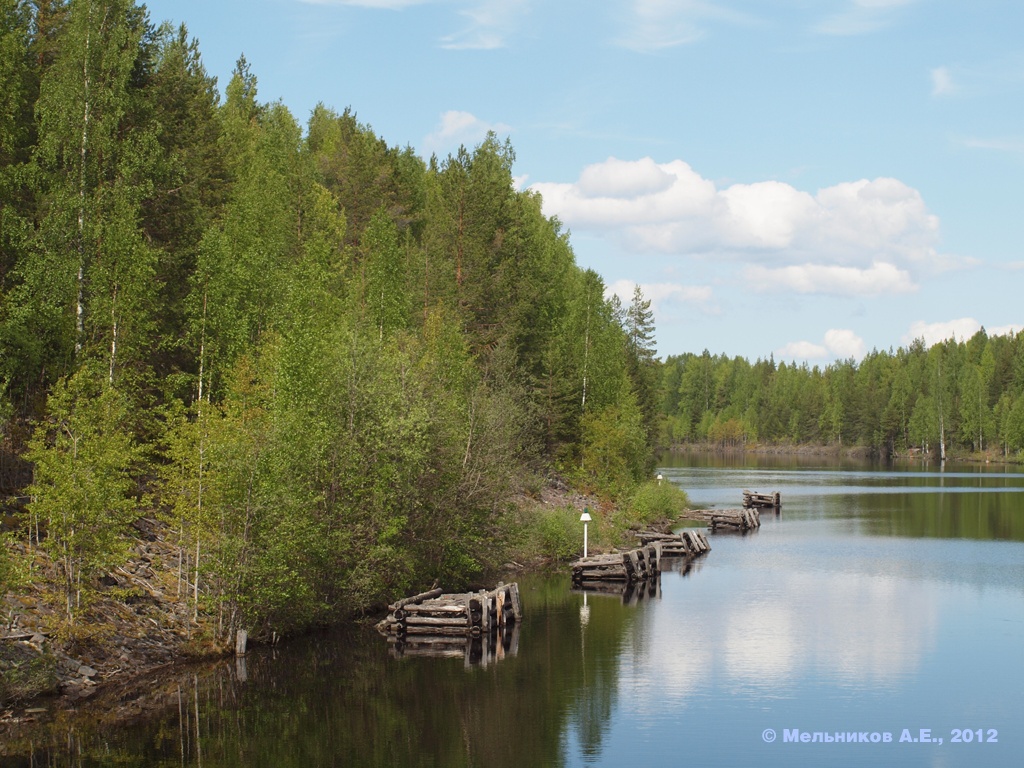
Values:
[(856, 238), (801, 350), (459, 128), (942, 82), (878, 280), (838, 343), (663, 294), (933, 333), (860, 17), (1013, 146), (654, 25), (490, 23), (843, 343), (960, 330)]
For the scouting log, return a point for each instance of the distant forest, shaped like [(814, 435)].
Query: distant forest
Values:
[(960, 396), (327, 364)]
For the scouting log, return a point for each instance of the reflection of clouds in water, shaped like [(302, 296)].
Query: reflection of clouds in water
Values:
[(760, 643), (856, 629), (664, 649), (874, 628)]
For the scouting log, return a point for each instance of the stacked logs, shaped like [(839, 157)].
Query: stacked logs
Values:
[(754, 499), (685, 544), (632, 565), (437, 624), (738, 519)]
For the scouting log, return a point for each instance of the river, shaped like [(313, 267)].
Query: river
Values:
[(884, 606)]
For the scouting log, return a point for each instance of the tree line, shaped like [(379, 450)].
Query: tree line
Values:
[(324, 361), (964, 396)]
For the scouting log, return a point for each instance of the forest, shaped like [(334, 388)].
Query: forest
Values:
[(327, 365), (958, 397), (330, 367)]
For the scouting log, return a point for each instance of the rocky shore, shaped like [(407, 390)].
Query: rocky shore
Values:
[(138, 621)]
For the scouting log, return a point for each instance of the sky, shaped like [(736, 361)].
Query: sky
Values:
[(806, 179)]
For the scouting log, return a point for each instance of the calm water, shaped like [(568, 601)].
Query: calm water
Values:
[(879, 602)]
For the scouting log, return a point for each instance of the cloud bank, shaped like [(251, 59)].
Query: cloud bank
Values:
[(859, 238), (960, 329)]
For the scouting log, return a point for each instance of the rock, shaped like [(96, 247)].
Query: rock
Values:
[(85, 671)]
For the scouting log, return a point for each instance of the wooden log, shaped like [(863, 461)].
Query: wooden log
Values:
[(608, 574), (499, 603), (654, 550), (606, 562), (517, 608), (432, 621), (415, 599), (434, 609)]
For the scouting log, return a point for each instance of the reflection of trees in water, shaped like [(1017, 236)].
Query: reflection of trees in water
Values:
[(985, 515), (339, 699)]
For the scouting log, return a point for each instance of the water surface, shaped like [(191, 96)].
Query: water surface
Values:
[(881, 601)]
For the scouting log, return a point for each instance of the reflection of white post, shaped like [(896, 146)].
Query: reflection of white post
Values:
[(584, 614), (585, 518)]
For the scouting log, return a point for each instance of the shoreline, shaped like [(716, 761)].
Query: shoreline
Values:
[(837, 451), (141, 623)]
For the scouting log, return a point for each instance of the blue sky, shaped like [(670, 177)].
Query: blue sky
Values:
[(804, 178)]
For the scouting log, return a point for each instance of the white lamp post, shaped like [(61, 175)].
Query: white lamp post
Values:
[(585, 518), (659, 478)]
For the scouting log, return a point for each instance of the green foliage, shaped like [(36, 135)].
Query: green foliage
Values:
[(25, 676), (83, 487), (333, 363), (614, 448), (558, 533), (12, 573), (653, 501)]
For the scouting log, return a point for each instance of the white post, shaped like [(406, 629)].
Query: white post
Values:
[(585, 518)]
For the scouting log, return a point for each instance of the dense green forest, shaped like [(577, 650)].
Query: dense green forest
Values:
[(959, 396), (327, 364)]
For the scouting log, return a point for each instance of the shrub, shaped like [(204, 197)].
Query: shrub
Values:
[(558, 534), (652, 501)]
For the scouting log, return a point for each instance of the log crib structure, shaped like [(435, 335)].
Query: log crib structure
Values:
[(477, 626)]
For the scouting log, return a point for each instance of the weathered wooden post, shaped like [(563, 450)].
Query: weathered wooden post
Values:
[(241, 638)]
